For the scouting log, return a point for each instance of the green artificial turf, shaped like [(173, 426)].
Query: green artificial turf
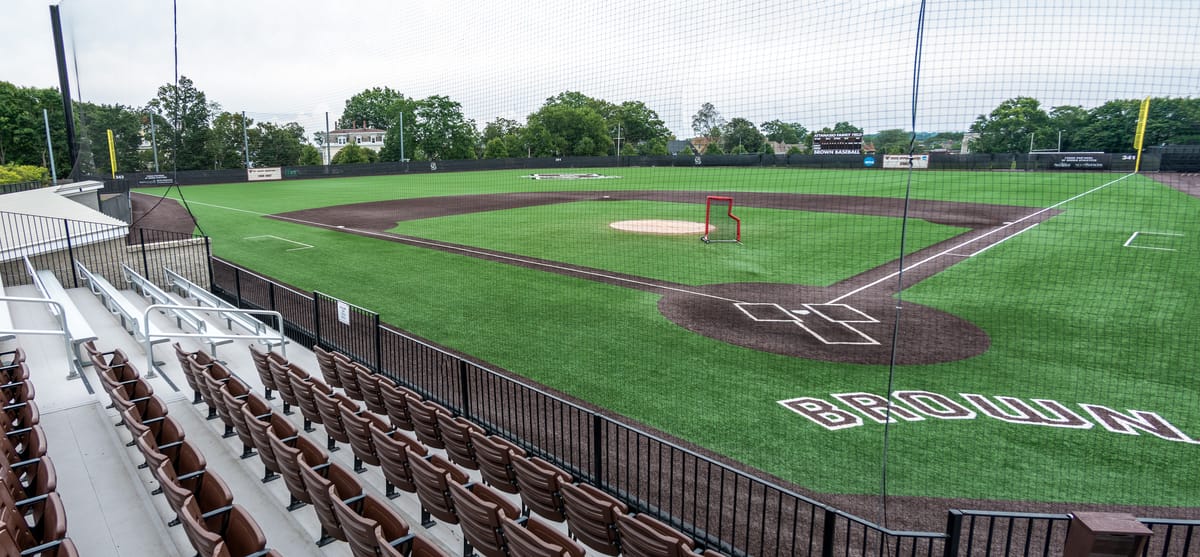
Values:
[(1072, 315)]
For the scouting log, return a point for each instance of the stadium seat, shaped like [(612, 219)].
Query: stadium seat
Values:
[(288, 454), (327, 366), (481, 512), (282, 380), (29, 478), (644, 536), (348, 375), (222, 550), (358, 428), (307, 401), (214, 381), (592, 517), (331, 416), (259, 417), (14, 373), (233, 395), (535, 538), (425, 422), (34, 521), (233, 527), (22, 444), (58, 548), (494, 455), (184, 457), (317, 481), (541, 485), (9, 358), (396, 402), (183, 355), (368, 522), (263, 368), (20, 416), (368, 383), (456, 435), (200, 363), (393, 460), (432, 476), (209, 491)]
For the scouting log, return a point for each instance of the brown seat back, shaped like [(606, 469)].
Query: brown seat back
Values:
[(480, 518), (331, 414), (328, 368), (318, 483), (347, 375), (393, 460), (425, 422), (456, 434), (20, 416), (287, 455), (262, 365), (396, 403), (234, 394), (283, 383), (643, 536), (183, 355), (494, 456), (540, 483), (592, 516), (368, 383), (359, 526), (303, 385), (538, 539), (358, 428), (432, 475)]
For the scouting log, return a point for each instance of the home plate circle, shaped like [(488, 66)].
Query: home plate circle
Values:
[(659, 226)]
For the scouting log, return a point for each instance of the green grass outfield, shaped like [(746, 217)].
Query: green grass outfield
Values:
[(1074, 315)]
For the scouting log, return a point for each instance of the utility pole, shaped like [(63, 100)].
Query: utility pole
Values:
[(64, 84), (154, 140), (328, 157), (50, 148), (402, 136), (245, 140)]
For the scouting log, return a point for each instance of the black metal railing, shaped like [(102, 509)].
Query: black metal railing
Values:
[(21, 186)]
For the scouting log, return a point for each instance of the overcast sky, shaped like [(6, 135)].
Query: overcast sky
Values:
[(812, 62)]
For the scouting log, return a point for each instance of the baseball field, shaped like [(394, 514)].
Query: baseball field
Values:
[(1035, 333)]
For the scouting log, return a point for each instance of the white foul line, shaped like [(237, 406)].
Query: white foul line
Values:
[(301, 244), (440, 245), (980, 237)]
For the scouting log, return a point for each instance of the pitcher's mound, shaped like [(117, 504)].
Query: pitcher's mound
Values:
[(660, 226)]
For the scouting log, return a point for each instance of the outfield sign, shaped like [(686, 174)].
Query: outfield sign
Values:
[(260, 174), (857, 408), (906, 161), (1076, 161), (155, 180), (343, 312), (837, 143)]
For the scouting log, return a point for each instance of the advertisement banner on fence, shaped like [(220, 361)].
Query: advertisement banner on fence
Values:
[(903, 161), (837, 143), (1075, 161), (259, 174)]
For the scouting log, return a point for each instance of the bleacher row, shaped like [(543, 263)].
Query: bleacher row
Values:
[(32, 518)]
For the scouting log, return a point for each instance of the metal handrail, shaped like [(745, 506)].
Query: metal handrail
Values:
[(145, 323), (59, 314)]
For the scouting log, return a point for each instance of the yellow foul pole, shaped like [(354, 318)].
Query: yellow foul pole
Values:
[(1141, 133), (112, 154)]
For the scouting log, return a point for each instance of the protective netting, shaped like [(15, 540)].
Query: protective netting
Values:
[(974, 248)]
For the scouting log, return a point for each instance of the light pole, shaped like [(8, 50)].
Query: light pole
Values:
[(1059, 141)]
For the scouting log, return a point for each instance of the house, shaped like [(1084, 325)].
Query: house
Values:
[(367, 138)]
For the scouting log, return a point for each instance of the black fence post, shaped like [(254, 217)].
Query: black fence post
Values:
[(953, 531), (828, 533), (378, 345), (212, 281), (597, 449), (316, 319), (271, 294), (70, 254), (463, 389), (237, 285), (145, 261)]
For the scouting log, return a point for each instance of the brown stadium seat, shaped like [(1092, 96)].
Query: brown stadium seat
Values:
[(494, 455), (184, 457), (28, 479), (393, 460), (15, 373), (396, 403), (283, 383), (425, 422), (317, 481), (347, 375), (200, 364), (287, 455), (644, 536), (456, 435), (262, 366), (221, 550), (154, 422), (233, 395), (10, 358), (23, 444), (433, 475), (20, 416), (33, 522), (535, 538), (209, 491), (234, 527), (259, 417), (367, 522), (592, 517), (331, 416), (368, 383), (183, 355), (358, 428), (213, 385), (327, 366), (306, 399), (481, 511), (541, 485)]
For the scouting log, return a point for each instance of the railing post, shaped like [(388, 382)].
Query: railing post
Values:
[(237, 285), (829, 531), (271, 294), (212, 281), (597, 449), (954, 519), (145, 262), (378, 345), (70, 253), (316, 319), (463, 391)]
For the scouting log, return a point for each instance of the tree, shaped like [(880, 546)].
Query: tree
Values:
[(278, 145), (707, 122), (353, 154), (638, 124), (654, 147), (740, 132), (310, 156), (495, 149), (22, 131), (1009, 127), (892, 142), (226, 144), (509, 132), (558, 129), (126, 125), (442, 131), (378, 107), (188, 113), (714, 148), (1068, 121), (783, 132)]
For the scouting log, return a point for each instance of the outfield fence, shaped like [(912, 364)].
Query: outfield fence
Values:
[(717, 503)]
